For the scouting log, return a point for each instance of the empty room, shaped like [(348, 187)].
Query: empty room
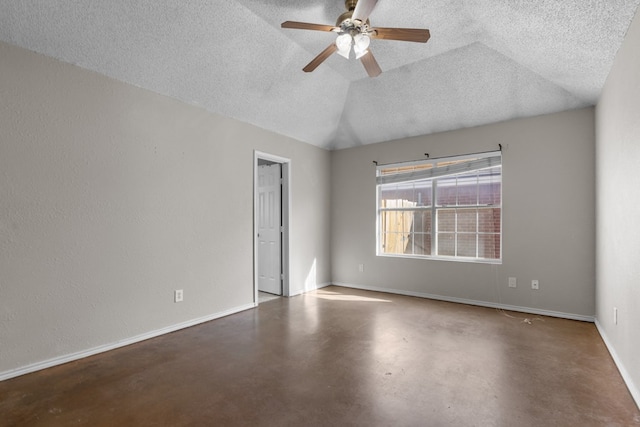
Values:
[(360, 212)]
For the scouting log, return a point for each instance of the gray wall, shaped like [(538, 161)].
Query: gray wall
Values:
[(618, 209), (548, 217), (111, 197)]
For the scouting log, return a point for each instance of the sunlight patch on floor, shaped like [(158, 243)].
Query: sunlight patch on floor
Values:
[(336, 296)]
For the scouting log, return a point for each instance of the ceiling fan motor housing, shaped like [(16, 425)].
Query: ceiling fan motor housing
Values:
[(347, 15), (350, 5)]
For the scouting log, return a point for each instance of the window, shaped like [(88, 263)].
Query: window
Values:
[(447, 208)]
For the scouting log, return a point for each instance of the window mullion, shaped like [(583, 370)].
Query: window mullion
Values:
[(477, 214), (455, 222), (434, 223), (477, 232)]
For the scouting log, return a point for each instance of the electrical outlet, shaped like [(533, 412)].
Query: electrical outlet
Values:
[(361, 268), (535, 284), (615, 315), (513, 282), (178, 295)]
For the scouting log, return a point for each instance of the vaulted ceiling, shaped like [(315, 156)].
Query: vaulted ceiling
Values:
[(487, 61)]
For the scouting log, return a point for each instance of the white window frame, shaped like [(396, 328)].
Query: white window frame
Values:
[(476, 162)]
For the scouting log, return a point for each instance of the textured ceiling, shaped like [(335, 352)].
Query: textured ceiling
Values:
[(487, 61)]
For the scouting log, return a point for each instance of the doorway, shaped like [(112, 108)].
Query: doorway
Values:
[(271, 226)]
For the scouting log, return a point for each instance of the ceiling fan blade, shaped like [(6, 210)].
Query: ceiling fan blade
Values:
[(363, 9), (307, 26), (403, 34), (320, 58), (371, 65)]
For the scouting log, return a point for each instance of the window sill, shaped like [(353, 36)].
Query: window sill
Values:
[(441, 258)]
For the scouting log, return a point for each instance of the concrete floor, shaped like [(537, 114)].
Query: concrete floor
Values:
[(340, 357), (264, 297)]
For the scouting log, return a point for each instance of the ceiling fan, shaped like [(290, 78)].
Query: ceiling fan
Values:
[(354, 29)]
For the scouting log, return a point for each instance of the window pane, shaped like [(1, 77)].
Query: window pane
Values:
[(490, 181), (420, 244), (397, 195), (420, 237), (394, 243), (422, 222), (467, 189), (446, 191), (423, 193), (446, 220), (446, 244), (489, 246), (395, 227), (405, 194), (467, 245), (489, 220), (387, 192), (466, 220)]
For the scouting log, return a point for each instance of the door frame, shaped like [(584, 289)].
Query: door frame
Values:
[(286, 219)]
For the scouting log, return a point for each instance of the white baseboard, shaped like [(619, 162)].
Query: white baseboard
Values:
[(313, 288), (635, 392), (121, 343), (529, 310)]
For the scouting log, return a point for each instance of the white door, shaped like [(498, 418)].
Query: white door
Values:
[(269, 193)]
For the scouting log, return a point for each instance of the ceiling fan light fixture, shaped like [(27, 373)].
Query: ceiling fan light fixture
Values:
[(361, 44), (344, 42), (362, 41), (344, 54)]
